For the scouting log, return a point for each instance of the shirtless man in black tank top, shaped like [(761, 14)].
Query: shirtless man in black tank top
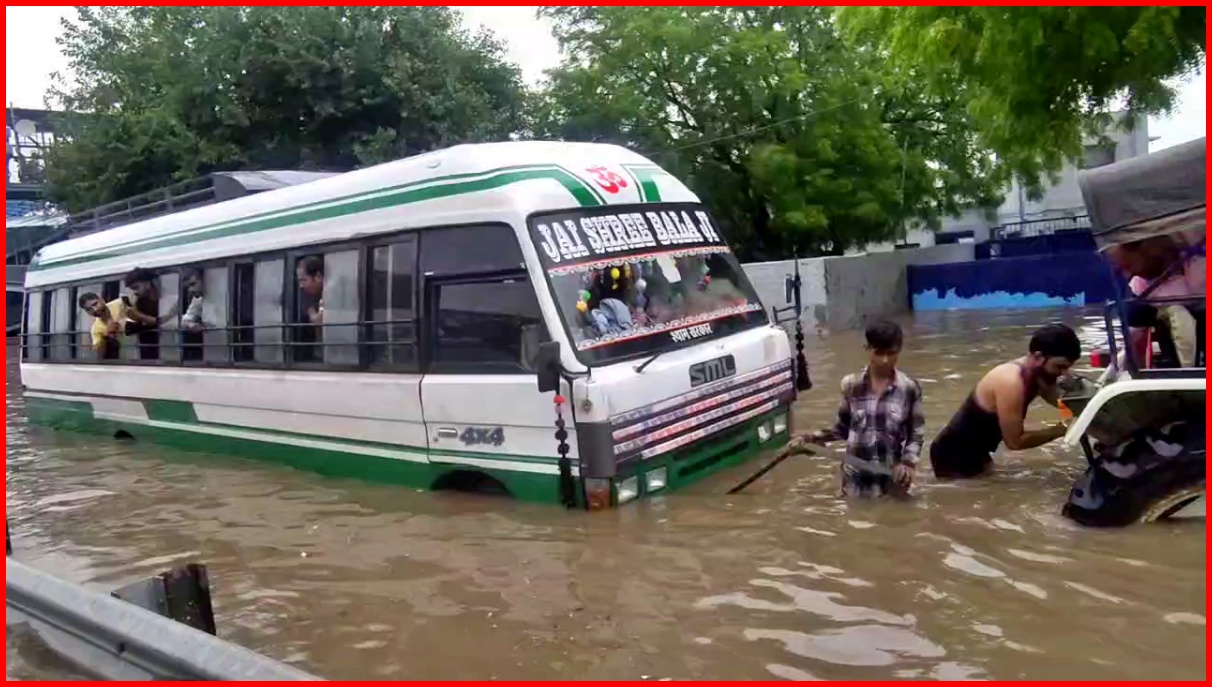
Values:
[(994, 412)]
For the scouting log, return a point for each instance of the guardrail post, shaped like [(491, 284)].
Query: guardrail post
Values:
[(161, 628), (181, 594)]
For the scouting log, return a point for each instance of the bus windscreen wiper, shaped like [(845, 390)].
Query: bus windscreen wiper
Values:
[(646, 363)]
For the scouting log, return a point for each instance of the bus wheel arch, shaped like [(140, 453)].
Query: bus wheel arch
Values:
[(470, 481)]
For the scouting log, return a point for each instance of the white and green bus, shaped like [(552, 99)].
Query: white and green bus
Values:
[(424, 322)]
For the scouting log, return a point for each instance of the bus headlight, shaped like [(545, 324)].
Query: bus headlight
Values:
[(764, 432), (629, 489), (655, 480), (780, 424)]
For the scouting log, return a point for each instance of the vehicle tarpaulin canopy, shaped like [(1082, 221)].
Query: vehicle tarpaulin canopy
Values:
[(1159, 194)]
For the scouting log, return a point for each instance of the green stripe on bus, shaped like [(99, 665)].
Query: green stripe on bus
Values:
[(171, 411), (322, 461), (644, 176), (58, 405), (183, 413), (357, 443), (433, 189)]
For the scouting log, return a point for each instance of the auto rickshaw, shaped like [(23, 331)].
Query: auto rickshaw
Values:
[(1142, 425)]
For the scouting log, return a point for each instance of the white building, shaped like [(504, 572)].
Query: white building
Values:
[(1061, 202)]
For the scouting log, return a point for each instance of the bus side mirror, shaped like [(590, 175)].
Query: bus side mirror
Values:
[(547, 364)]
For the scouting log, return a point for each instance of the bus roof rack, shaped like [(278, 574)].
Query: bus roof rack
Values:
[(206, 190)]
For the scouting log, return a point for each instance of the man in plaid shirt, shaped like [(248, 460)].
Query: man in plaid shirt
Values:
[(880, 419)]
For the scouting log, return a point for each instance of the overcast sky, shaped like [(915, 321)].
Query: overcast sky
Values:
[(31, 56)]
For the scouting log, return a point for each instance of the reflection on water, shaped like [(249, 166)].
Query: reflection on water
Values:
[(969, 581)]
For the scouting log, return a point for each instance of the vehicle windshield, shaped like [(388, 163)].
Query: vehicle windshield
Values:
[(642, 280)]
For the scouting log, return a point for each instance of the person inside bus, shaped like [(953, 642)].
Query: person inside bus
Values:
[(140, 306), (194, 292), (108, 322), (715, 290), (309, 273), (1176, 324), (602, 304), (192, 323)]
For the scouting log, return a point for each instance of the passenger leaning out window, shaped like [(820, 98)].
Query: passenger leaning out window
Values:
[(310, 275), (108, 322), (194, 293), (143, 300)]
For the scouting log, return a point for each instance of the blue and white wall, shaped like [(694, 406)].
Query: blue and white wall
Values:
[(845, 292), (1040, 281)]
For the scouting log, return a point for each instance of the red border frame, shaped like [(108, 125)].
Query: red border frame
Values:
[(696, 2)]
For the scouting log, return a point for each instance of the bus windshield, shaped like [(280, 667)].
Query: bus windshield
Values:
[(639, 280)]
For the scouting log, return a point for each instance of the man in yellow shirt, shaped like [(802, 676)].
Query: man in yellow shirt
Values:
[(108, 323)]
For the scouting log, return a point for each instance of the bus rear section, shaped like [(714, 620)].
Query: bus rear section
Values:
[(673, 370)]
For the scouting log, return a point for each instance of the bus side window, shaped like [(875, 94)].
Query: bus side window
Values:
[(390, 333), (14, 302), (486, 327), (267, 311), (34, 324), (342, 310), (215, 334), (84, 323), (470, 250), (25, 304), (170, 314), (61, 338), (307, 314), (242, 321), (487, 315)]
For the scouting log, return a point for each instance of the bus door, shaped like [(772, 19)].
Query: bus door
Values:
[(482, 329)]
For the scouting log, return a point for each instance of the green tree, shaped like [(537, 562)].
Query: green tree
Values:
[(164, 94), (793, 139), (1038, 80)]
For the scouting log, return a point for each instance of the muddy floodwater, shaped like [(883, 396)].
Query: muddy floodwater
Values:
[(355, 581)]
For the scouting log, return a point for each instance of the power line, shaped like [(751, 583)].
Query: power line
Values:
[(757, 129)]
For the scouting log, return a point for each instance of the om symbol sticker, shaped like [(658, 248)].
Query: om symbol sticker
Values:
[(610, 181)]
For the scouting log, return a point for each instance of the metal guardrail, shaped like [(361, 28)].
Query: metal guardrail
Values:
[(1041, 227), (118, 640)]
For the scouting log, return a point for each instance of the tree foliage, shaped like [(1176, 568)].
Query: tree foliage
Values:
[(170, 93), (801, 128), (1038, 80), (793, 138)]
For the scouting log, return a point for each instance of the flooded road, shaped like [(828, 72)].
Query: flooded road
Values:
[(354, 581)]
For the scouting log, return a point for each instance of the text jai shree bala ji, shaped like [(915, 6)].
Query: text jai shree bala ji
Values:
[(624, 233)]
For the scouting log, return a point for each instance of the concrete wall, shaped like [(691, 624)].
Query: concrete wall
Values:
[(845, 292), (768, 279), (863, 287)]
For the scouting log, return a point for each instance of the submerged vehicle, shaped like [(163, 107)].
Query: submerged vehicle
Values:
[(563, 322), (1142, 425)]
